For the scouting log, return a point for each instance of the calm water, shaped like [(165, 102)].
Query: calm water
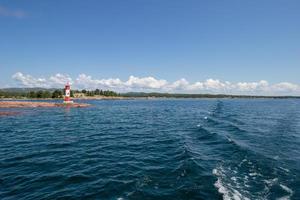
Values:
[(153, 149)]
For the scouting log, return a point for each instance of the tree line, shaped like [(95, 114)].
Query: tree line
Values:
[(54, 94), (32, 94), (107, 93), (45, 94), (182, 95)]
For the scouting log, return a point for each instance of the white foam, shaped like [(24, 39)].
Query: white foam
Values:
[(288, 190), (253, 174), (228, 138), (284, 169), (245, 160), (228, 193), (284, 198), (222, 190), (271, 182), (227, 190), (215, 172)]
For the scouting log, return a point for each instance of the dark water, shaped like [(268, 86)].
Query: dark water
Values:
[(153, 149)]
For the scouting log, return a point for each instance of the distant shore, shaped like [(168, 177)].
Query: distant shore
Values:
[(55, 94), (73, 98), (176, 96)]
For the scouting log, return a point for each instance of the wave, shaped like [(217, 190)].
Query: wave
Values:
[(248, 182), (243, 172), (226, 190)]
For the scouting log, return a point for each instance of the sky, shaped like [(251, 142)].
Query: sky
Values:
[(191, 46)]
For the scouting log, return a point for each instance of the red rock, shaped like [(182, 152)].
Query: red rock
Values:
[(9, 113), (30, 104)]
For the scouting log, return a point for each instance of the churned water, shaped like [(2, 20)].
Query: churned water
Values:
[(153, 149)]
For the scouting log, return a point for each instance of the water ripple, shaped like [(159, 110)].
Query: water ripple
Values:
[(160, 149)]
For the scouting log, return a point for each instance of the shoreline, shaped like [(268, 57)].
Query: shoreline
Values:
[(73, 98), (31, 104), (8, 113), (151, 98)]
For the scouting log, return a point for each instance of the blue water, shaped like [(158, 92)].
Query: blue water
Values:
[(153, 149)]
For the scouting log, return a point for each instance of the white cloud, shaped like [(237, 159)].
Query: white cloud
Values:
[(29, 81), (86, 82), (148, 84), (145, 83), (181, 84), (214, 84), (286, 87), (252, 86), (11, 13), (58, 80), (196, 86)]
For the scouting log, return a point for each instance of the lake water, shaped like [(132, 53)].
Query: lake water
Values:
[(153, 149)]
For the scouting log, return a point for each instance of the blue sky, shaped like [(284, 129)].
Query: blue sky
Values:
[(236, 41)]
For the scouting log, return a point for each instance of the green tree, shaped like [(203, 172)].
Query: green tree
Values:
[(32, 94), (47, 94), (39, 94), (57, 94), (72, 93)]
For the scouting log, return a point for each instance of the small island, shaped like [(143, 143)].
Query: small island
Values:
[(33, 104)]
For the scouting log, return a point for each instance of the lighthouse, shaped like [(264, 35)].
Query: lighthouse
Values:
[(67, 98)]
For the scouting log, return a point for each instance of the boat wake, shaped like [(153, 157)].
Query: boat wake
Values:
[(246, 181)]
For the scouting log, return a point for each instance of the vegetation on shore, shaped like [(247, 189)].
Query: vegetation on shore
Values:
[(181, 95), (42, 93), (97, 92)]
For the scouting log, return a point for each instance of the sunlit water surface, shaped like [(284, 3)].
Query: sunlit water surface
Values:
[(153, 149)]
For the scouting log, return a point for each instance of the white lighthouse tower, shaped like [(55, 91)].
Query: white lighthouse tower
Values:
[(67, 98)]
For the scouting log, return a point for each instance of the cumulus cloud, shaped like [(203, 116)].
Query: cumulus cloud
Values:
[(11, 13), (87, 82), (145, 83), (58, 80), (248, 86), (151, 84), (286, 87), (181, 84), (29, 81), (133, 83)]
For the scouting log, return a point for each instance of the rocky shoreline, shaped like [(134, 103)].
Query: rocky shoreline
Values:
[(8, 113), (30, 104)]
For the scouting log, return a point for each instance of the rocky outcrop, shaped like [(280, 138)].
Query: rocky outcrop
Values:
[(31, 104)]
